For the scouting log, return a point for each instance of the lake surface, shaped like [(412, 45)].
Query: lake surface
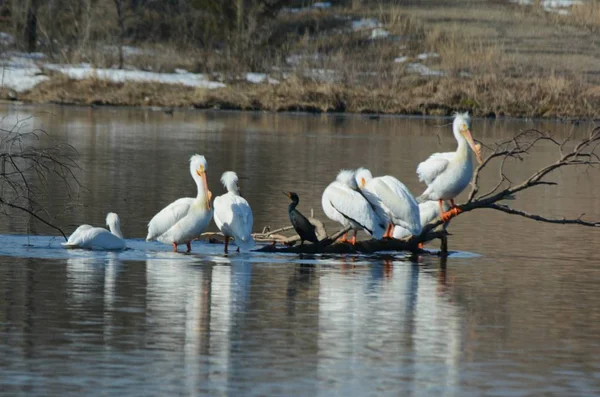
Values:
[(513, 311)]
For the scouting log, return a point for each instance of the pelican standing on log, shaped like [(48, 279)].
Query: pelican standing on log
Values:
[(233, 214), (448, 174), (392, 201), (343, 203), (186, 218), (302, 226)]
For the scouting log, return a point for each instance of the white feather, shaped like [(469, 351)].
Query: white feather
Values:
[(97, 238), (428, 211), (434, 166), (345, 205), (233, 214), (391, 199), (448, 174), (186, 218)]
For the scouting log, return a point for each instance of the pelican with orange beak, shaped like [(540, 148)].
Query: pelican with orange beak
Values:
[(186, 218), (448, 174)]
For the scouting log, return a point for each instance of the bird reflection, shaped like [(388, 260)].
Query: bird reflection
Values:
[(86, 273), (442, 276), (92, 287), (299, 283), (397, 302), (198, 303)]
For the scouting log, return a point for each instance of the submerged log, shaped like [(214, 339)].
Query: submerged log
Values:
[(370, 246)]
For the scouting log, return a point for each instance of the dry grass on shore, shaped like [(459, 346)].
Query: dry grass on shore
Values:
[(489, 57), (483, 96)]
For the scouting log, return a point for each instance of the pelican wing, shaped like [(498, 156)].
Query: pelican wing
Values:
[(401, 203), (355, 208), (431, 168), (76, 234), (81, 234), (168, 217), (234, 213)]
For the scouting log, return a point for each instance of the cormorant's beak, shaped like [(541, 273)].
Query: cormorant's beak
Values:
[(287, 194), (476, 148)]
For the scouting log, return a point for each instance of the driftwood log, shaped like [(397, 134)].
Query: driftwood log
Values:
[(582, 153)]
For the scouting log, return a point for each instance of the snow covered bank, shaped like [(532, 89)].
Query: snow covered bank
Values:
[(20, 72), (85, 71), (561, 7)]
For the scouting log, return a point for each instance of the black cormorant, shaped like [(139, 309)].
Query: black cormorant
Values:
[(303, 227)]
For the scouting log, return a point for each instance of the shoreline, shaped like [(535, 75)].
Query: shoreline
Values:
[(373, 116), (304, 97)]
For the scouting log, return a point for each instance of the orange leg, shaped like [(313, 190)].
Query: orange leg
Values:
[(441, 203), (388, 231), (454, 211), (174, 247), (420, 246), (226, 243), (344, 238), (354, 237), (189, 247)]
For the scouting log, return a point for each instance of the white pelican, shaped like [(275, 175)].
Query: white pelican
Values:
[(428, 211), (186, 218), (233, 214), (98, 238), (343, 203), (391, 200), (448, 174)]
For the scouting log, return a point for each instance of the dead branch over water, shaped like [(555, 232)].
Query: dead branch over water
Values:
[(584, 153), (27, 171)]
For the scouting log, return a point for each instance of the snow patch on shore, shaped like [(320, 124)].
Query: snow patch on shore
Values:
[(85, 71)]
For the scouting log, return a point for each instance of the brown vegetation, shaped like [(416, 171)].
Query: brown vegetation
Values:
[(493, 58)]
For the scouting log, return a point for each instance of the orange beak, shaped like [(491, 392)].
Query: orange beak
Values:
[(476, 148), (202, 174), (362, 182), (287, 194)]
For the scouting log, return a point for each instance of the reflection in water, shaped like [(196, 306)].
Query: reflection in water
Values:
[(398, 318), (197, 306), (520, 319), (179, 324)]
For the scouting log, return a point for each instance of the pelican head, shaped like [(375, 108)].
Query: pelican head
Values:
[(346, 177), (114, 224), (198, 170), (197, 164), (362, 176), (462, 131), (229, 179)]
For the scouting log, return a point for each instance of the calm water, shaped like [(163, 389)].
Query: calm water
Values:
[(514, 311)]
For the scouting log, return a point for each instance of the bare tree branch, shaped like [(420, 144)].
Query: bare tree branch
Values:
[(583, 154), (29, 167), (562, 221)]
